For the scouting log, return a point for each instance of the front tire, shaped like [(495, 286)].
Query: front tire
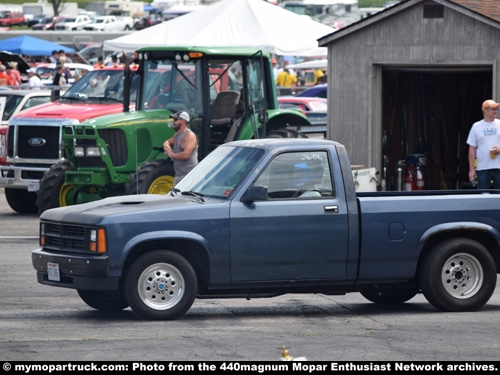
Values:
[(53, 192), (154, 177), (390, 297), (458, 275), (160, 285), (22, 201), (104, 300)]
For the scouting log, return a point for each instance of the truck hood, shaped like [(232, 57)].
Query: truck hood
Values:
[(134, 209), (78, 111)]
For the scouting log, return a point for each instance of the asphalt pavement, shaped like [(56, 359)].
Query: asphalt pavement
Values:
[(42, 323)]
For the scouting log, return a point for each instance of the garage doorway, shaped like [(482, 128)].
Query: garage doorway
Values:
[(426, 118)]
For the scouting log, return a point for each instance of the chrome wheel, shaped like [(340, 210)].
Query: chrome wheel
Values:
[(161, 286), (462, 275)]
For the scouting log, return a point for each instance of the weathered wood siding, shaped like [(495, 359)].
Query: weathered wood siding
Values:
[(405, 38)]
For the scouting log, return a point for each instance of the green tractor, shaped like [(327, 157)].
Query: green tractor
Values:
[(229, 94)]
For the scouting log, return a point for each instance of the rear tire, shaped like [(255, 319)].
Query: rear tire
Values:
[(22, 201), (458, 275), (52, 188), (154, 177), (104, 300)]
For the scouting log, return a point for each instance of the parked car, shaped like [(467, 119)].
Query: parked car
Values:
[(91, 52), (318, 91), (48, 23), (39, 18), (74, 23), (46, 72), (14, 101), (11, 18), (314, 108), (306, 104)]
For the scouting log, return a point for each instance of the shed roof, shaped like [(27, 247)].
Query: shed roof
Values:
[(487, 11)]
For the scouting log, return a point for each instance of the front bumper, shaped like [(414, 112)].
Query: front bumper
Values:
[(76, 272)]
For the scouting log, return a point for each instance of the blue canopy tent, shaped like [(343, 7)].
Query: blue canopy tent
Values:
[(29, 46)]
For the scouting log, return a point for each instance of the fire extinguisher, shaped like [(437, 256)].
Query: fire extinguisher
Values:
[(410, 180), (419, 177)]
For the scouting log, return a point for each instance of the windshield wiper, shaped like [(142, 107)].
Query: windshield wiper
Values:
[(193, 194), (174, 190), (104, 98)]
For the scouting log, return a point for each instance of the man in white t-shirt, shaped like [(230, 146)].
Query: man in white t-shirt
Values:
[(484, 145), (34, 81)]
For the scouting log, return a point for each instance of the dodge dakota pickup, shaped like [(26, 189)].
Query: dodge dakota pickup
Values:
[(265, 217)]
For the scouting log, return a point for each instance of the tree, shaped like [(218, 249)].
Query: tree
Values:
[(56, 5)]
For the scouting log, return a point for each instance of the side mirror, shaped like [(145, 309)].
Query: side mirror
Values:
[(55, 94), (254, 193)]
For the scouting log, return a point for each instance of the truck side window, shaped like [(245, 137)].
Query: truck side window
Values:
[(298, 175)]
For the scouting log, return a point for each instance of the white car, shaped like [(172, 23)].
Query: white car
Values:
[(46, 72), (14, 101), (74, 23)]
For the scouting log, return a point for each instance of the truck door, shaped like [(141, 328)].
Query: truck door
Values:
[(300, 232)]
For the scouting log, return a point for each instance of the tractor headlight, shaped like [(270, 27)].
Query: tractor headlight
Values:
[(79, 152), (92, 152)]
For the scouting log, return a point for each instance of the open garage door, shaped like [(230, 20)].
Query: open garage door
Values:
[(426, 117)]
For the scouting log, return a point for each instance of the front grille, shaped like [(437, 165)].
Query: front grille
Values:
[(117, 145), (317, 118), (65, 238), (34, 142)]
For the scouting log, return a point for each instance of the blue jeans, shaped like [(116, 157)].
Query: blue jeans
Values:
[(488, 179)]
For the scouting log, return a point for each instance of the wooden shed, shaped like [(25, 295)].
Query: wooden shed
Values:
[(406, 84)]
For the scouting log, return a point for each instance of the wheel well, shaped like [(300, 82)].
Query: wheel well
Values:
[(484, 238), (192, 251)]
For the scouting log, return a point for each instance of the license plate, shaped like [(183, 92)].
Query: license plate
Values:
[(33, 186), (53, 271)]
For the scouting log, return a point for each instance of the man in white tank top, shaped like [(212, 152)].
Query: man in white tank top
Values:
[(182, 148)]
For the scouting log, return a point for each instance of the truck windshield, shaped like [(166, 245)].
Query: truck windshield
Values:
[(105, 84), (221, 171)]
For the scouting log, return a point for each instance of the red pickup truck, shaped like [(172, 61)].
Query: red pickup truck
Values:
[(10, 18)]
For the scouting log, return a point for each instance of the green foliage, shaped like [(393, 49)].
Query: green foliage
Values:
[(371, 3)]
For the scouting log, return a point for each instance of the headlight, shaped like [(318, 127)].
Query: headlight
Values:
[(92, 152), (97, 241), (79, 152)]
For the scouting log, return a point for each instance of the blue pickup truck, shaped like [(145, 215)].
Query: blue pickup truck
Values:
[(261, 218)]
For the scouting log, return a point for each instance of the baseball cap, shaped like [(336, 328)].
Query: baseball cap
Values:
[(181, 114), (273, 60), (31, 70), (490, 104)]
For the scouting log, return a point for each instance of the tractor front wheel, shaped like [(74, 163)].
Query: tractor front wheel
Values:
[(154, 177), (53, 192)]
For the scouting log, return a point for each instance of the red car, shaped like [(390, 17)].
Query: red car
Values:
[(11, 18), (306, 104), (48, 23)]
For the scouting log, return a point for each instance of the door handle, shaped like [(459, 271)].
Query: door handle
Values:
[(333, 209)]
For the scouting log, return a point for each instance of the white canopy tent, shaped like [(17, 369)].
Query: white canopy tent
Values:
[(313, 64), (243, 23)]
